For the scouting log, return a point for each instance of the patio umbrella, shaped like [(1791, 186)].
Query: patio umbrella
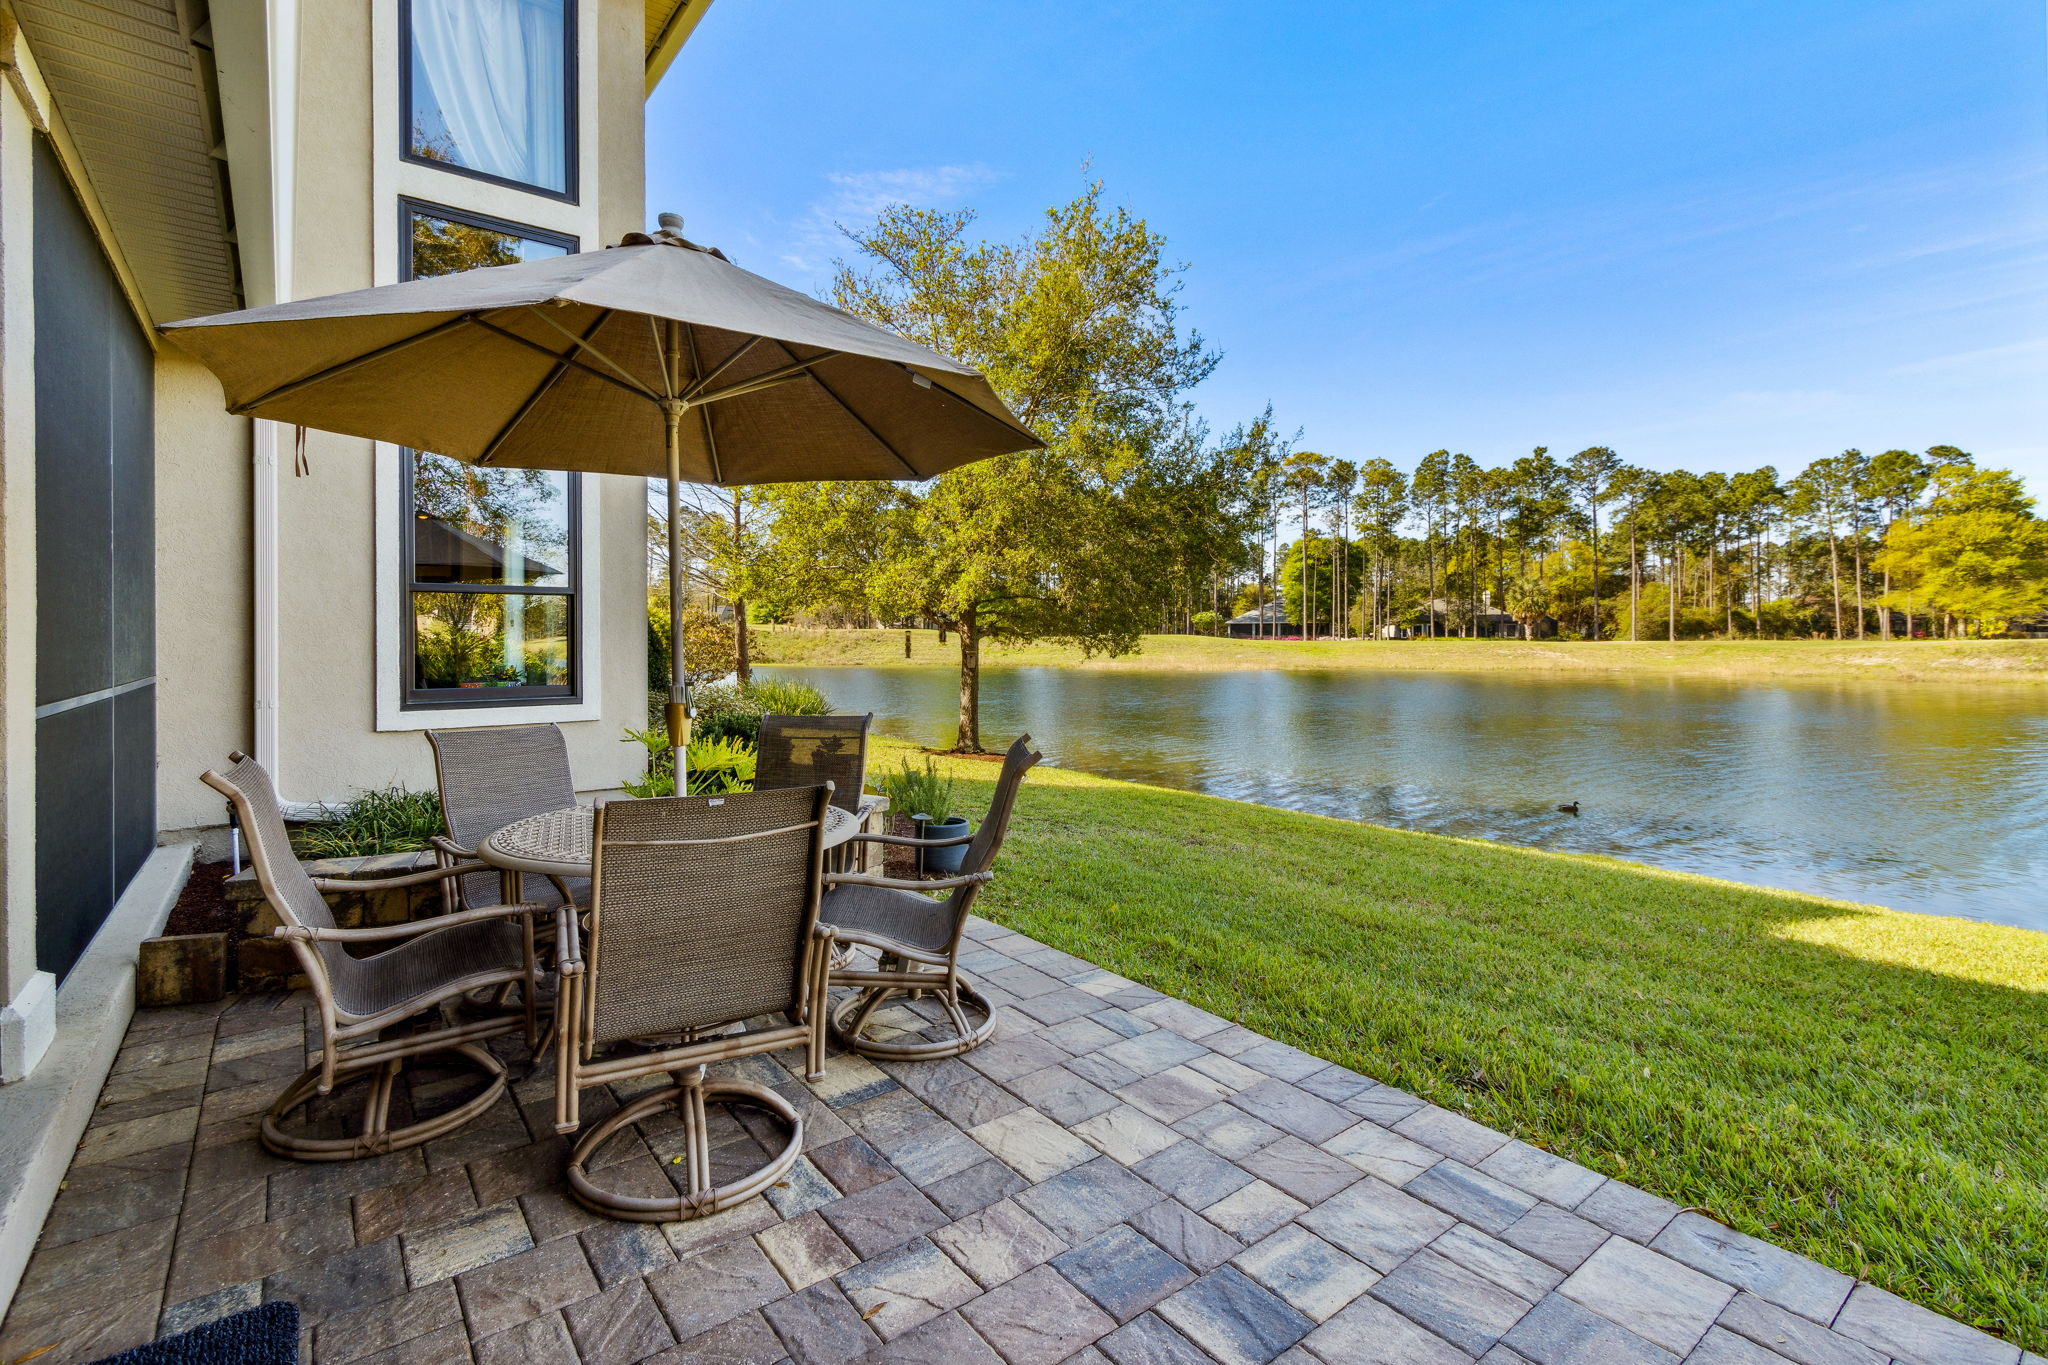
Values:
[(657, 358)]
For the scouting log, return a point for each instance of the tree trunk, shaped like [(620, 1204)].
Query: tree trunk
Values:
[(1675, 577), (1635, 584), (970, 685), (1835, 573), (739, 620), (739, 603), (1859, 584)]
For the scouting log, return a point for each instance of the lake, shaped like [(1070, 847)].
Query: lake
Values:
[(1923, 798)]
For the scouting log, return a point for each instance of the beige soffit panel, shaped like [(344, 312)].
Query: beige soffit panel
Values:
[(669, 25), (135, 94)]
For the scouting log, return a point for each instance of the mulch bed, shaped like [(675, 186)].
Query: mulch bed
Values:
[(203, 908)]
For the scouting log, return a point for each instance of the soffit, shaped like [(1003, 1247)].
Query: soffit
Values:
[(135, 96), (669, 23)]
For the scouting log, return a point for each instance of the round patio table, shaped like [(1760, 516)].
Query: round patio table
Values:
[(557, 844)]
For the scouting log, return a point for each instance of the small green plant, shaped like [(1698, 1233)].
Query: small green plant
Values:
[(783, 697), (728, 711), (914, 792), (717, 764), (393, 820)]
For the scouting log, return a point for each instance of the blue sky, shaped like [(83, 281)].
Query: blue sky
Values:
[(1710, 235)]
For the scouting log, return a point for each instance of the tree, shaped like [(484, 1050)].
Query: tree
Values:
[(1077, 328), (1978, 553), (1633, 488), (1754, 498), (1893, 483), (1821, 498), (1592, 473), (1382, 505), (1431, 486), (1528, 602), (1304, 474), (1337, 490)]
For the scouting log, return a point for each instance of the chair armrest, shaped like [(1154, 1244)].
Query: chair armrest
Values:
[(410, 929), (432, 874), (443, 844), (568, 941), (906, 842), (898, 884)]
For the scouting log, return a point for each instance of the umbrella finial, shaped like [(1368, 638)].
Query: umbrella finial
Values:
[(671, 230)]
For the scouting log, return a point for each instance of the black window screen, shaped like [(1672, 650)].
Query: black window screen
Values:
[(95, 580)]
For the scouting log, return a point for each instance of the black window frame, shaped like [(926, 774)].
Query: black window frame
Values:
[(415, 698), (572, 171)]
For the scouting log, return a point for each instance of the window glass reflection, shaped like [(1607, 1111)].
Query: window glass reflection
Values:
[(488, 639), (490, 88)]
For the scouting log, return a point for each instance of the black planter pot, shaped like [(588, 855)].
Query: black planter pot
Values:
[(944, 861)]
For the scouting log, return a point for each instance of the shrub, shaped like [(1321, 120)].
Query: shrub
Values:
[(783, 697), (710, 646), (914, 792), (717, 765), (393, 820)]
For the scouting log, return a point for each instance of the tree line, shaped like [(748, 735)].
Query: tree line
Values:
[(1136, 517), (1852, 546)]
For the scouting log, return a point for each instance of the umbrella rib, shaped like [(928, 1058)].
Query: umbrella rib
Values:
[(691, 394), (533, 399), (703, 412), (582, 345), (353, 362), (879, 439), (629, 384), (764, 381)]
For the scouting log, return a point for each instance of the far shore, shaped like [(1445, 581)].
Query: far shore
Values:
[(1946, 661)]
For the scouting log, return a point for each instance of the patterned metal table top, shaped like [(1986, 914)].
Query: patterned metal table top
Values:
[(558, 843)]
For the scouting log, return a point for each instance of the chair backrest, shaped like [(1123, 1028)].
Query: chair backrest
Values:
[(286, 884), (802, 751), (988, 840), (492, 777), (703, 910)]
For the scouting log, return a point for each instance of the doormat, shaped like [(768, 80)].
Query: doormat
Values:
[(267, 1334)]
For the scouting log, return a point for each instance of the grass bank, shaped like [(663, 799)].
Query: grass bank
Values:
[(1975, 661), (1860, 1085)]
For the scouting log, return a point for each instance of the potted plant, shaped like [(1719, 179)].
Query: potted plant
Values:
[(925, 798)]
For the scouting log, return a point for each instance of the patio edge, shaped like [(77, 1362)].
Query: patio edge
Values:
[(45, 1114)]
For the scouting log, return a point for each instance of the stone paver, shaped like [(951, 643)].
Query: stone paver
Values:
[(1119, 1179)]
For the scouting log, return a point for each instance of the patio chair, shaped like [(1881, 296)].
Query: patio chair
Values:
[(704, 915), (801, 751), (363, 1000), (916, 938), (488, 779)]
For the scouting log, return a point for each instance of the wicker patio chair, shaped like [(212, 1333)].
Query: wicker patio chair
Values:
[(363, 1000), (802, 751), (489, 778), (704, 915), (917, 939)]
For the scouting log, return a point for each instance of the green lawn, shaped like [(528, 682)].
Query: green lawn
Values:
[(1994, 661), (1864, 1086)]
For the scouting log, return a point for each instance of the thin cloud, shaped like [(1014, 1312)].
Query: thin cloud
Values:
[(856, 196)]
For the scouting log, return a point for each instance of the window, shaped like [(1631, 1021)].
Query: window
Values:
[(492, 557), (489, 90)]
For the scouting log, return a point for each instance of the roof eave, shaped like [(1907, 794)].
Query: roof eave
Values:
[(670, 24)]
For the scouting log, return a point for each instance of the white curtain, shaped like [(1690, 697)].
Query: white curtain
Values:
[(495, 69)]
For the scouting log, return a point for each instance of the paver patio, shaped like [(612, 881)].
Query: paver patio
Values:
[(1118, 1177)]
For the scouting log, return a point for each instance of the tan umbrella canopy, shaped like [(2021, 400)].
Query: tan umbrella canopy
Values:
[(657, 358)]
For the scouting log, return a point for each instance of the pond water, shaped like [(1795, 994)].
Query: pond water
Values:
[(1917, 797)]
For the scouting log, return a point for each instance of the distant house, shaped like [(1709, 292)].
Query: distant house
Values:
[(2029, 627), (1268, 620), (1444, 617)]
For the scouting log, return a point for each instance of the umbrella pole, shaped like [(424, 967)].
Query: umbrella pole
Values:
[(678, 710)]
